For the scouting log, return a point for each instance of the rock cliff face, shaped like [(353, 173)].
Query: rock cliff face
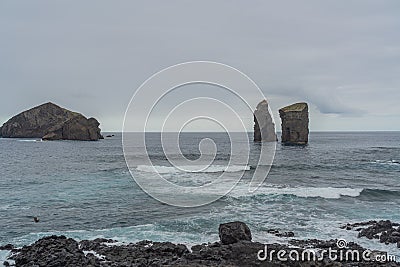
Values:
[(264, 127), (295, 124), (51, 122)]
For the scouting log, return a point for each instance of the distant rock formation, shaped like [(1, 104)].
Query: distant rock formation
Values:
[(295, 124), (51, 122), (264, 127)]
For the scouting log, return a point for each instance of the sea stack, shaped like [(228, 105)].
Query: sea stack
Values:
[(51, 122), (264, 127), (295, 124)]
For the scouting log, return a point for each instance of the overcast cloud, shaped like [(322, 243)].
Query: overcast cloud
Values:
[(342, 57)]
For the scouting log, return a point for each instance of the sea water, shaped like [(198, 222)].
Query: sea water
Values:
[(84, 190)]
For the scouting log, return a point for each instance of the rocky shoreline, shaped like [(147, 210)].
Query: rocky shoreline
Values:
[(235, 248), (386, 231)]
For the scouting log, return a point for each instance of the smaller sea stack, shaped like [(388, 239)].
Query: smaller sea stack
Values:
[(264, 127), (295, 124)]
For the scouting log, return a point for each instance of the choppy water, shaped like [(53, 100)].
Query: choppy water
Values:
[(84, 190)]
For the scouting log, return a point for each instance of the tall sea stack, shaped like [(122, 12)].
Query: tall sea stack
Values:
[(295, 124), (264, 127)]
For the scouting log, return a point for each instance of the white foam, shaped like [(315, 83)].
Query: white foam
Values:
[(149, 245), (124, 235), (192, 169), (305, 192), (3, 256), (100, 257), (387, 162), (13, 207), (5, 207), (113, 244), (323, 192)]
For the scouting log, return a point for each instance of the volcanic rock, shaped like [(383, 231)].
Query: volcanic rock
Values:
[(7, 247), (53, 251), (233, 232), (59, 251), (264, 127), (62, 251), (51, 122), (383, 230), (295, 124)]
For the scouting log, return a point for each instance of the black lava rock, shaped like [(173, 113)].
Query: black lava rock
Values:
[(233, 232)]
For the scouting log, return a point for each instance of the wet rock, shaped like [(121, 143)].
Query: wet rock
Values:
[(294, 124), (52, 251), (7, 247), (51, 122), (61, 251), (350, 226), (273, 231), (383, 230), (280, 234), (395, 233), (285, 234), (233, 232), (376, 228), (264, 127)]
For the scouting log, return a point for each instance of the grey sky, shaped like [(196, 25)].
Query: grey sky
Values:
[(342, 57)]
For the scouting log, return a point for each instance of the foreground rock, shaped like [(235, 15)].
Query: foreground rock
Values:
[(386, 231), (238, 251), (54, 251), (233, 232), (51, 122), (264, 127), (295, 124)]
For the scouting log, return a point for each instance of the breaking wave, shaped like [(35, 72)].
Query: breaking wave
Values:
[(305, 192), (192, 169)]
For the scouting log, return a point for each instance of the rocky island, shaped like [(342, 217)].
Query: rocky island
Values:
[(51, 122), (295, 124), (264, 127)]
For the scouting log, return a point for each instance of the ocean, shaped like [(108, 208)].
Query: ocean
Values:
[(84, 190)]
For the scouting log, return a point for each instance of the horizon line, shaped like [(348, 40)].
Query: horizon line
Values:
[(318, 131)]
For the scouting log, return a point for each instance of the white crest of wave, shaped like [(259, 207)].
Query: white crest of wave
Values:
[(387, 162), (192, 169), (304, 192), (323, 192)]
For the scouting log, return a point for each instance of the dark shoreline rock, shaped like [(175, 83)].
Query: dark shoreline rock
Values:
[(51, 122), (386, 231), (295, 124), (278, 233), (239, 251), (7, 247), (234, 232)]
